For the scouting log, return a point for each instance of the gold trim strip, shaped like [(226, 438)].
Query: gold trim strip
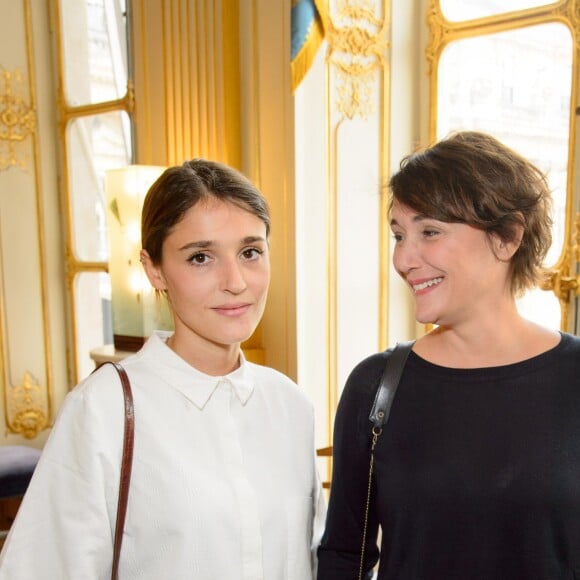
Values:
[(331, 339), (202, 65), (255, 96), (385, 168), (214, 77), (231, 128), (63, 113), (187, 72), (4, 354), (146, 154), (126, 103), (167, 19), (40, 217), (65, 191)]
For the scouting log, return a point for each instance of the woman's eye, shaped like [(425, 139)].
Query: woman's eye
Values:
[(397, 237), (199, 259), (430, 233), (251, 253)]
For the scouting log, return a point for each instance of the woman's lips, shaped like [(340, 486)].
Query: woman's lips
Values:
[(232, 310)]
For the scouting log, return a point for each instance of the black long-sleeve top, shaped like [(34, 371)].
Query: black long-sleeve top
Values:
[(477, 472)]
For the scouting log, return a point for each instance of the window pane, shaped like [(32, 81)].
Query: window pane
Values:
[(519, 92), (458, 10), (95, 50), (95, 144), (93, 317)]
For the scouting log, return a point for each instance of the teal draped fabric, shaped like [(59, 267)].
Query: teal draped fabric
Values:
[(306, 36)]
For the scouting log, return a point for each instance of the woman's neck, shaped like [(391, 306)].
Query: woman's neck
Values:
[(488, 345), (205, 356)]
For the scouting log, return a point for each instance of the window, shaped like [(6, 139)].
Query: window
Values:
[(97, 136)]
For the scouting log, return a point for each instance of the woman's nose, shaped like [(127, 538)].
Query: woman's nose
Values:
[(233, 280), (405, 257)]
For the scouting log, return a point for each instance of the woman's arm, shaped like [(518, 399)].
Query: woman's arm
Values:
[(340, 550), (318, 521), (63, 527)]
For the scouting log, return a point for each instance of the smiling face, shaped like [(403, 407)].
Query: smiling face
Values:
[(456, 272), (215, 268)]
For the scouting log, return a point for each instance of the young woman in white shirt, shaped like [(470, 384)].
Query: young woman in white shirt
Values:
[(224, 482)]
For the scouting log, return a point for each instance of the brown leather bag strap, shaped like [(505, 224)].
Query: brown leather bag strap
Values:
[(126, 464)]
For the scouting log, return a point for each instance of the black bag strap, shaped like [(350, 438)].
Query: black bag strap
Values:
[(379, 416), (389, 383)]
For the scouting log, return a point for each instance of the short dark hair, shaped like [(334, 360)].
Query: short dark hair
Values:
[(471, 177), (181, 187)]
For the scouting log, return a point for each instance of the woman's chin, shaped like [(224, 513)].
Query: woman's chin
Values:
[(425, 318)]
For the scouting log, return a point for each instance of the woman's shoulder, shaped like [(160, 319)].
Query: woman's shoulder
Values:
[(360, 389), (92, 409), (570, 341), (365, 376), (101, 385), (568, 349), (138, 365)]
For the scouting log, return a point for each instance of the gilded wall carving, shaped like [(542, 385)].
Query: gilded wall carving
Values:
[(17, 119), (439, 33), (25, 403), (562, 281), (357, 50)]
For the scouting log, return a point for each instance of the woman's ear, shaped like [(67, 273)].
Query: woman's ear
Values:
[(153, 272), (505, 250)]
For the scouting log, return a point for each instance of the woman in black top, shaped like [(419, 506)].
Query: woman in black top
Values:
[(477, 472)]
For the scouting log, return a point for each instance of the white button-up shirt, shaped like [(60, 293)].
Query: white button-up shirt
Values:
[(224, 483)]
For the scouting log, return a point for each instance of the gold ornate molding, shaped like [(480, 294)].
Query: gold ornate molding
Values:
[(26, 406), (439, 33), (443, 31), (576, 239), (17, 119), (561, 280), (357, 49), (571, 9)]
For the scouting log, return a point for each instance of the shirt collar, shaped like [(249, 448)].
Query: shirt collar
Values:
[(196, 386)]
